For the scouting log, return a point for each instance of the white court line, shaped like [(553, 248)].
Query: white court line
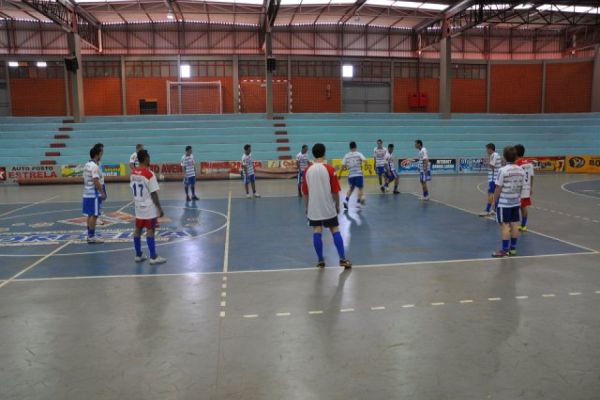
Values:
[(466, 301), (227, 228), (575, 294), (408, 306), (494, 299), (29, 205), (344, 310), (521, 297), (125, 206), (438, 304), (283, 314), (378, 308), (251, 316), (579, 194), (316, 312), (53, 252), (549, 295)]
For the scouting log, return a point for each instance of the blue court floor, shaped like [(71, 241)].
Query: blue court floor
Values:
[(264, 234), (590, 188)]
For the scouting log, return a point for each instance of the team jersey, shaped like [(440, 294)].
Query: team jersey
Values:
[(379, 155), (302, 159), (134, 160), (187, 162), (353, 161), (423, 155), (143, 182), (248, 163), (527, 166), (319, 184), (390, 162), (511, 178), (91, 171), (494, 166)]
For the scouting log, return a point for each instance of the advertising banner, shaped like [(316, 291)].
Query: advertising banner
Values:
[(72, 170), (368, 168), (12, 174), (472, 165), (437, 165), (583, 164), (114, 169), (548, 164)]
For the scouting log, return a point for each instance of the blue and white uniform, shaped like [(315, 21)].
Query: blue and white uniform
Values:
[(390, 163), (510, 178), (302, 160), (379, 155), (91, 196), (424, 175), (354, 161), (189, 169), (248, 168), (494, 165)]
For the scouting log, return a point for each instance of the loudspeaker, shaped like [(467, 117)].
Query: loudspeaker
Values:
[(271, 64), (71, 64)]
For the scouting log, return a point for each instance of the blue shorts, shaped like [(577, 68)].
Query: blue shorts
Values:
[(391, 175), (425, 176), (380, 171), (356, 181), (506, 215), (92, 206), (249, 178), (491, 187), (189, 180), (299, 178)]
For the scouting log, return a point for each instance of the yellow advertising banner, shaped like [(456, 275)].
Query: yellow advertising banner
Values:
[(368, 167), (583, 164)]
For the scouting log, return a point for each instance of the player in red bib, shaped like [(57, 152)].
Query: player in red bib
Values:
[(527, 166), (144, 187)]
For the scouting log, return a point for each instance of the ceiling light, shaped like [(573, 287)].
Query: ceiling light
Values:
[(170, 15), (13, 64)]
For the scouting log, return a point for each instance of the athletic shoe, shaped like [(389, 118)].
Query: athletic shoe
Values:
[(158, 260), (362, 201), (523, 228), (500, 254), (195, 198), (485, 214), (141, 258), (256, 195), (345, 263), (424, 198), (396, 192), (382, 188), (345, 206), (187, 198), (248, 196), (321, 264), (512, 252), (94, 240)]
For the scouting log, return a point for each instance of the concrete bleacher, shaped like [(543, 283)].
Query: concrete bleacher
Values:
[(27, 140)]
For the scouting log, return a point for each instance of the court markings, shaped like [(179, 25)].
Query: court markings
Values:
[(421, 305), (576, 193), (223, 303), (28, 205)]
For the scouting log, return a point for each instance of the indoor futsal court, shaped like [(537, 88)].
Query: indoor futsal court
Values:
[(299, 200)]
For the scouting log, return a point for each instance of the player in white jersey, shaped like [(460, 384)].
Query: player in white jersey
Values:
[(133, 160), (322, 204), (189, 174), (144, 187), (93, 193), (102, 182), (302, 163), (527, 166), (424, 168), (391, 173), (494, 164), (379, 153), (248, 174), (353, 161), (509, 186)]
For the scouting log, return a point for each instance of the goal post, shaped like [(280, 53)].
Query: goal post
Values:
[(194, 97)]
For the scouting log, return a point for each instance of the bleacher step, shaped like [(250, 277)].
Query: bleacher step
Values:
[(283, 140), (53, 154), (57, 145), (62, 137), (48, 162), (65, 129)]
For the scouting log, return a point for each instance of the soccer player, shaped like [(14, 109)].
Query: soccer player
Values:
[(507, 196), (248, 171), (527, 166), (353, 162), (424, 168), (144, 186), (302, 163), (189, 169), (101, 147), (391, 174), (93, 193), (379, 153), (133, 160), (494, 164), (322, 204)]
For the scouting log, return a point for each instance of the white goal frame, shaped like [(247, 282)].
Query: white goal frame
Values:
[(171, 84)]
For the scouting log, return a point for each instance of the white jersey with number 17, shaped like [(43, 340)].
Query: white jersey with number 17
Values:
[(143, 182)]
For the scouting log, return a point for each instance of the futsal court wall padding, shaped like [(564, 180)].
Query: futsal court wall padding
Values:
[(516, 88), (569, 87)]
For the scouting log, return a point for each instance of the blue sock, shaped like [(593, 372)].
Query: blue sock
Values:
[(151, 246), (488, 207), (194, 190), (339, 245), (137, 243), (505, 245), (91, 233), (318, 243), (513, 243), (426, 193), (524, 221), (347, 199), (396, 187), (186, 191)]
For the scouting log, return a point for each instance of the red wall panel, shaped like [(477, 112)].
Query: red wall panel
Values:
[(310, 94), (569, 87), (102, 96), (468, 95), (405, 86), (37, 96), (147, 88), (516, 88)]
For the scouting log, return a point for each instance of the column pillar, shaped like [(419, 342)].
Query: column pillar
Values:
[(445, 78), (76, 77)]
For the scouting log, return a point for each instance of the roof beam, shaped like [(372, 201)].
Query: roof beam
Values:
[(71, 17)]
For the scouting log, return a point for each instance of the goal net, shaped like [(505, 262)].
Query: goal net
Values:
[(194, 98), (252, 96)]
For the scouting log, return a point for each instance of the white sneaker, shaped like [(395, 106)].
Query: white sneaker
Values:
[(256, 195), (94, 240), (248, 196), (485, 214), (424, 198), (363, 201), (140, 259), (158, 260)]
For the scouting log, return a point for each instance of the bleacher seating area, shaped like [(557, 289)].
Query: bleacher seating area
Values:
[(29, 141)]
